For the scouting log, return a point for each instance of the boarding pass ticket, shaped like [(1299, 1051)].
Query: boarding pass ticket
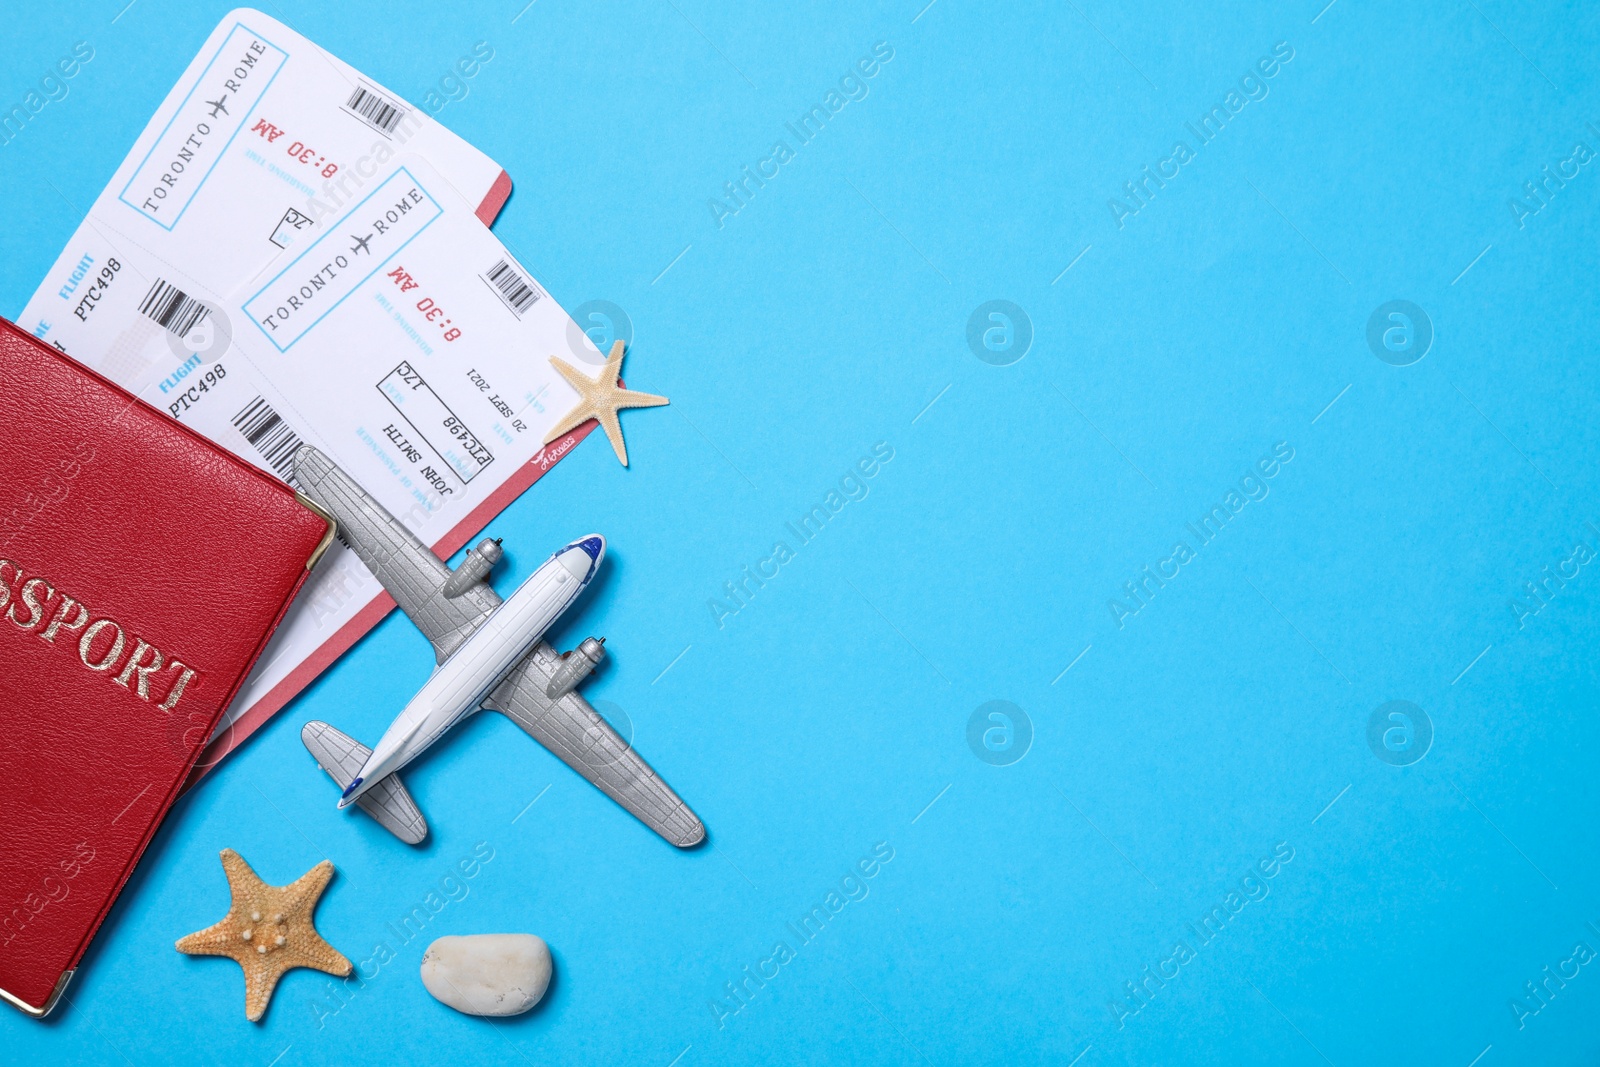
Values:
[(263, 141), (409, 345)]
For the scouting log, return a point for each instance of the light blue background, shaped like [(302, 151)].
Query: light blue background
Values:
[(825, 716)]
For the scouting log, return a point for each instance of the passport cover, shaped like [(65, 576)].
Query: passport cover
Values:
[(142, 570)]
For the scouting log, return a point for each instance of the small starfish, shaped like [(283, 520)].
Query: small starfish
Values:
[(599, 399), (268, 930)]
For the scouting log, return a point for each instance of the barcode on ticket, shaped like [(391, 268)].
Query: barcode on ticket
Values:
[(375, 109), (518, 292), (172, 309), (269, 435)]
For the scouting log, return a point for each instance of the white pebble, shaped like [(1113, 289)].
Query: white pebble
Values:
[(487, 974)]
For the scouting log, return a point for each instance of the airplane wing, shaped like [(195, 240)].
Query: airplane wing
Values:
[(569, 727), (387, 801), (408, 569)]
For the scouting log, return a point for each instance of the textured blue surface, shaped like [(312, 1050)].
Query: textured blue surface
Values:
[(1221, 726)]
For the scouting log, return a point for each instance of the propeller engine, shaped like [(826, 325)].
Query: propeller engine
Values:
[(475, 568), (575, 667)]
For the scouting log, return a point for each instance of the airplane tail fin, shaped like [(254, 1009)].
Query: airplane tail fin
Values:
[(387, 800)]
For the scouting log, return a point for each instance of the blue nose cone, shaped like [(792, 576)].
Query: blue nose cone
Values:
[(593, 546)]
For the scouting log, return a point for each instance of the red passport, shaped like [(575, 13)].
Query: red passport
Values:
[(142, 569)]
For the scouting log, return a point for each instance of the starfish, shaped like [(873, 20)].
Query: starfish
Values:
[(268, 930), (600, 399)]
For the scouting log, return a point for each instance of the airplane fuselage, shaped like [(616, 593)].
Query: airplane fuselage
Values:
[(460, 684)]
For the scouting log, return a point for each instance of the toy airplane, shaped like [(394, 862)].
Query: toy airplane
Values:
[(489, 655)]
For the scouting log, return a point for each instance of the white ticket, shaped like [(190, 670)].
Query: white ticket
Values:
[(264, 139), (405, 342)]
